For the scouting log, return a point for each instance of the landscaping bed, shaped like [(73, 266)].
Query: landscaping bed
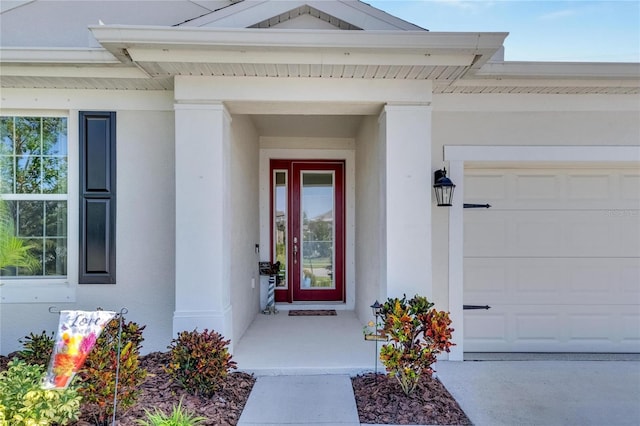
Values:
[(380, 399)]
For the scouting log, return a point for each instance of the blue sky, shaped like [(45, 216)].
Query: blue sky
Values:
[(539, 30)]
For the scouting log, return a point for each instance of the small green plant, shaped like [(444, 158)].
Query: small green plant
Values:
[(417, 333), (178, 417), (200, 361), (98, 376), (14, 253), (24, 403), (36, 348)]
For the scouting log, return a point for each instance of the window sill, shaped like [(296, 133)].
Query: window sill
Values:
[(36, 291)]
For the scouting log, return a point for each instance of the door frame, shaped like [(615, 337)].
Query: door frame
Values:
[(348, 155), (294, 291)]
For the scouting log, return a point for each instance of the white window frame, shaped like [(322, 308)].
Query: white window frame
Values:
[(46, 289)]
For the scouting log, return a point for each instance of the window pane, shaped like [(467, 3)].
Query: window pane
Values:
[(6, 135), (30, 218), (54, 136), (55, 256), (54, 175), (6, 174), (28, 174), (56, 218), (27, 135)]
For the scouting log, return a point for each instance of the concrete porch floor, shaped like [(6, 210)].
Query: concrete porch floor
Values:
[(284, 345)]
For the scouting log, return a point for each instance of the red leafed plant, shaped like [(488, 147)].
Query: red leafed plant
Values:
[(417, 333), (98, 377), (200, 361)]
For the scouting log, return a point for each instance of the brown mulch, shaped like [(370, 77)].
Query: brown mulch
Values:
[(379, 399)]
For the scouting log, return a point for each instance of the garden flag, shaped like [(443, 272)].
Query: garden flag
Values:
[(76, 336)]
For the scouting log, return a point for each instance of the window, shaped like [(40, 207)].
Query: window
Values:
[(34, 195)]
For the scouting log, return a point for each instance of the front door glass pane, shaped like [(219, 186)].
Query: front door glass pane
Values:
[(280, 225), (317, 248)]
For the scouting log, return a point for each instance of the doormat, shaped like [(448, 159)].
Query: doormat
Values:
[(313, 313)]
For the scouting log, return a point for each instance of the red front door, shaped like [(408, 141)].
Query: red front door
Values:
[(307, 205)]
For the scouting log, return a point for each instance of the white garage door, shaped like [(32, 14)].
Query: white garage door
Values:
[(557, 258)]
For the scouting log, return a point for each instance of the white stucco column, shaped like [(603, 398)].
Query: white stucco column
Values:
[(456, 260), (203, 241), (406, 137)]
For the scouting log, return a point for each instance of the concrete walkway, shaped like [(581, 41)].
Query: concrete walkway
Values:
[(492, 393), (301, 400)]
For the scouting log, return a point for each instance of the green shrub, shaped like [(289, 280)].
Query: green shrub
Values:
[(24, 403), (98, 376), (37, 348), (417, 333), (200, 361), (178, 417)]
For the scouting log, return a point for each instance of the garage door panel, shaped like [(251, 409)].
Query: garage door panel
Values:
[(517, 281), (537, 187), (589, 187), (552, 233), (630, 187), (566, 328), (547, 189)]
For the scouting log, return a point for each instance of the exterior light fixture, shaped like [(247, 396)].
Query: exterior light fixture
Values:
[(443, 187), (376, 308)]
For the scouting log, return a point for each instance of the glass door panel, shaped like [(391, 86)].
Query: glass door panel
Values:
[(280, 228), (317, 248)]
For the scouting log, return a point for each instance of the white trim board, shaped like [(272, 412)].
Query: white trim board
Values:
[(542, 153)]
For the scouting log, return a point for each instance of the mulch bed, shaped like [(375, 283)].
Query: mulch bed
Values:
[(380, 400)]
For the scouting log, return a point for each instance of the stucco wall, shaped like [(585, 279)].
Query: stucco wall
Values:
[(368, 218), (145, 239), (521, 120), (245, 281)]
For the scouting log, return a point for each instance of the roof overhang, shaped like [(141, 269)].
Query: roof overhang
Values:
[(146, 57)]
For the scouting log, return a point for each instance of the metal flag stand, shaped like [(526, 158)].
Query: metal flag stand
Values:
[(120, 316)]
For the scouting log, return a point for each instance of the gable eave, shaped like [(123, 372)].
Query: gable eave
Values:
[(245, 14)]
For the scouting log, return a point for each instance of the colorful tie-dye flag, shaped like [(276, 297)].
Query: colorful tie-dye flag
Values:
[(76, 336)]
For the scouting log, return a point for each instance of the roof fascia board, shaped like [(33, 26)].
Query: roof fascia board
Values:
[(68, 70), (312, 56), (419, 41), (61, 56), (532, 70)]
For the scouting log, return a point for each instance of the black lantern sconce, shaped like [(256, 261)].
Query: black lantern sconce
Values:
[(443, 187), (376, 308)]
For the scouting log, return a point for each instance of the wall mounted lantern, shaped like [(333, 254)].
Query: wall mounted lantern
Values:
[(443, 187)]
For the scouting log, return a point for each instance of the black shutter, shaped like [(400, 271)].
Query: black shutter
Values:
[(97, 198)]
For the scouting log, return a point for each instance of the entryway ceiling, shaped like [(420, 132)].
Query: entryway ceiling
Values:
[(316, 126)]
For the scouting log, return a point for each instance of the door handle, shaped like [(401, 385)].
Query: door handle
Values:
[(295, 250)]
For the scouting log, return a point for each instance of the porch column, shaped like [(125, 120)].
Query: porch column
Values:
[(406, 133), (203, 241)]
